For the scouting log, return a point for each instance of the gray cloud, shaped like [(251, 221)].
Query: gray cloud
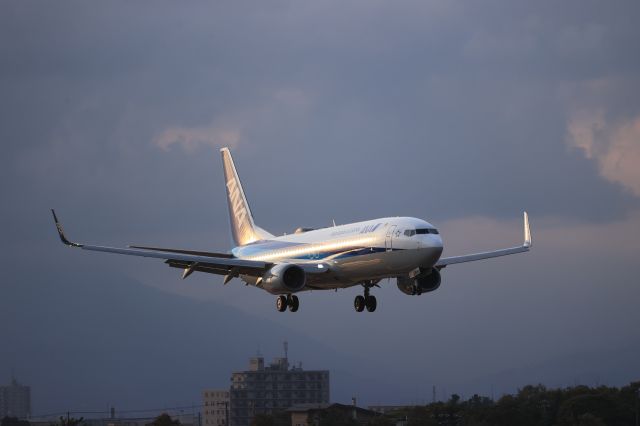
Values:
[(461, 113)]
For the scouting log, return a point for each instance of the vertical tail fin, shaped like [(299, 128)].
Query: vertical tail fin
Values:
[(243, 229)]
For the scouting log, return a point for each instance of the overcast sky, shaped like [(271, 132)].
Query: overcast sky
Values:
[(461, 113)]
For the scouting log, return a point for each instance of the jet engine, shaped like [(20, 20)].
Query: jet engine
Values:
[(284, 278), (423, 283)]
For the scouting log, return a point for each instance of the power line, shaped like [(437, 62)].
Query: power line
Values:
[(108, 412)]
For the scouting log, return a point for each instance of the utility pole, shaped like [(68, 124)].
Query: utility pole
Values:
[(286, 354), (638, 407)]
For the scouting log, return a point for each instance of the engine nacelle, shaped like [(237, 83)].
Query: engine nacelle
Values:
[(423, 283), (284, 278)]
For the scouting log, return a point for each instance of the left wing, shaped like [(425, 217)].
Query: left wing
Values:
[(526, 246), (190, 261)]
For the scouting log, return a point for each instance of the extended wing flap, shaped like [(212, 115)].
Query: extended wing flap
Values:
[(209, 268), (224, 262)]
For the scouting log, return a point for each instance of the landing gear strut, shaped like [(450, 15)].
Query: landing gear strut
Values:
[(291, 301), (367, 301)]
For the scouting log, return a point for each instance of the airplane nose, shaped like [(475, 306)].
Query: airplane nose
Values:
[(431, 246), (431, 241), (436, 243)]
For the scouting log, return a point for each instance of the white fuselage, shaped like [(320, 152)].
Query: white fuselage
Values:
[(356, 252)]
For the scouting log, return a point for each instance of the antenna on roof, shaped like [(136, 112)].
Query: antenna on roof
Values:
[(286, 349), (14, 382), (334, 222)]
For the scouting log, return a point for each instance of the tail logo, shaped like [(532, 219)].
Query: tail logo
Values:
[(237, 204)]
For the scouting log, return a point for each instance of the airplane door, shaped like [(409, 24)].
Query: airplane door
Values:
[(388, 241)]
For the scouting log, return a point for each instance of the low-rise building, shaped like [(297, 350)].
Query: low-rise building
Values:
[(268, 389), (312, 414), (215, 407)]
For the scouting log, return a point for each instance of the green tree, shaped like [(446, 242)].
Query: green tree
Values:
[(13, 421), (279, 418), (455, 398), (70, 421), (589, 406), (423, 416), (336, 417), (262, 420), (163, 420), (590, 420), (380, 421)]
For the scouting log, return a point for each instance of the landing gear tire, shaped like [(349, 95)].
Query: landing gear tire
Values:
[(293, 303), (371, 303), (281, 303), (359, 303)]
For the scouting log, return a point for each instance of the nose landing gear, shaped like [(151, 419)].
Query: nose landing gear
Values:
[(367, 301), (289, 301)]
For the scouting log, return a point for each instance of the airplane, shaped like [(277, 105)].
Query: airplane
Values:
[(406, 249)]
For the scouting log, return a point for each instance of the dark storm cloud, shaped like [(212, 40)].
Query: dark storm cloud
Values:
[(113, 112), (436, 92)]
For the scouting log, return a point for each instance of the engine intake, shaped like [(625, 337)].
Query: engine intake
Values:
[(284, 278), (423, 283)]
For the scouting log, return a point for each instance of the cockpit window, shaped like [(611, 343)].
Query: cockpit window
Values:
[(410, 232), (427, 231)]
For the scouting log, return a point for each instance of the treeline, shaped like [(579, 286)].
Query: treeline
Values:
[(536, 406), (162, 420), (530, 406)]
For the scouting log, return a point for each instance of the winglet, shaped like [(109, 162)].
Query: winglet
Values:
[(527, 231), (63, 238)]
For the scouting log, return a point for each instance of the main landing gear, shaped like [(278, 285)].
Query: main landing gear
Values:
[(291, 301), (367, 301)]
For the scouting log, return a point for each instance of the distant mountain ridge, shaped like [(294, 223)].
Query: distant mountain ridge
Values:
[(145, 348), (84, 341)]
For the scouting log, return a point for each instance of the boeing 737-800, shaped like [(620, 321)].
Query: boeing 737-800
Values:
[(363, 253)]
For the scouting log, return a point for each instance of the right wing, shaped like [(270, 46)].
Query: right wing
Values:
[(526, 246), (190, 261)]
